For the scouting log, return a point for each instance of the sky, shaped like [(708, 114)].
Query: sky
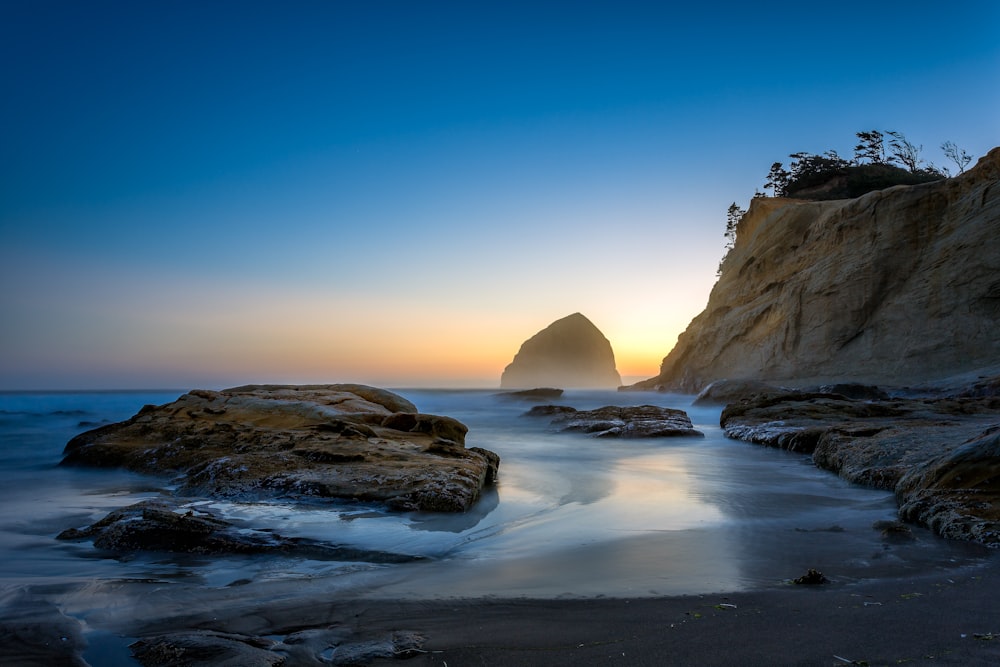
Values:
[(398, 193)]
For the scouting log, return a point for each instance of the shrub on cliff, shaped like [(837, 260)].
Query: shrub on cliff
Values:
[(849, 181)]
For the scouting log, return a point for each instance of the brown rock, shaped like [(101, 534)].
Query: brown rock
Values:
[(314, 441)]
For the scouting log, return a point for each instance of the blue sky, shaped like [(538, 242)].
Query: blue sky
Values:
[(400, 193)]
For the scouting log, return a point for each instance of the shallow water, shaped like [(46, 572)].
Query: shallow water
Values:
[(571, 516)]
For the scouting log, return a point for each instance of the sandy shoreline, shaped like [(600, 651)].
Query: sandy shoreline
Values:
[(942, 618), (949, 616)]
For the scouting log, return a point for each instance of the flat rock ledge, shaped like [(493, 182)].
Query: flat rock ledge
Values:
[(643, 421), (335, 645), (941, 456), (299, 442), (166, 526)]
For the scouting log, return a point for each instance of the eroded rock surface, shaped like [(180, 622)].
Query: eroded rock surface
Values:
[(642, 421), (939, 455), (301, 442)]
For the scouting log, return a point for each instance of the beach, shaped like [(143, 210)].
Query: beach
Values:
[(678, 551)]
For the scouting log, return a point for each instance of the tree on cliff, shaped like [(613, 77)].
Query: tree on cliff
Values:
[(905, 153), (956, 155), (777, 180), (733, 217), (871, 147)]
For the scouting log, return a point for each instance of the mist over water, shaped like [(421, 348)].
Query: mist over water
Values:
[(572, 515)]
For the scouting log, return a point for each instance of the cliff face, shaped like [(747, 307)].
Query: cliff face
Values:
[(898, 286), (570, 352)]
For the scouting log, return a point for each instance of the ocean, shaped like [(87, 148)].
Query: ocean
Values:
[(571, 516)]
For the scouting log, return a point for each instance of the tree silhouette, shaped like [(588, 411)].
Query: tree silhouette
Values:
[(904, 152), (871, 147), (956, 155)]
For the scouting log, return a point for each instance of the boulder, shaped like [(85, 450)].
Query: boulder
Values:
[(643, 421), (570, 352), (897, 287), (308, 442)]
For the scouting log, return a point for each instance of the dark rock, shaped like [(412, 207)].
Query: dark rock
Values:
[(549, 410), (570, 352), (539, 394), (811, 578), (722, 392), (643, 421), (333, 645), (299, 442), (855, 391), (204, 648), (162, 525)]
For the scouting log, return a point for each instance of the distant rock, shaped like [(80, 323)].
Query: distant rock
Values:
[(308, 442), (900, 286), (540, 394), (570, 352), (642, 421)]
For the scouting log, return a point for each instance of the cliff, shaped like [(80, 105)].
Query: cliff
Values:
[(570, 352), (899, 286)]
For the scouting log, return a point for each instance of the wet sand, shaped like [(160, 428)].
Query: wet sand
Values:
[(950, 618), (947, 617)]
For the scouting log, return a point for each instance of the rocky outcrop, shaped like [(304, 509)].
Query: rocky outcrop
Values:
[(642, 421), (939, 455), (898, 286), (162, 525), (301, 442), (333, 645), (570, 352)]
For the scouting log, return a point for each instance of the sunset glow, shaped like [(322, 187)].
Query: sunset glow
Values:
[(212, 195)]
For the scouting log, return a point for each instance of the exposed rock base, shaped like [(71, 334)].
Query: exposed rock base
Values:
[(941, 456)]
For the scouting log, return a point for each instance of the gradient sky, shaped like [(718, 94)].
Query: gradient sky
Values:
[(201, 194)]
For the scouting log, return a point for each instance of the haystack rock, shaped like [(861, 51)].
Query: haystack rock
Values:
[(898, 286), (570, 352)]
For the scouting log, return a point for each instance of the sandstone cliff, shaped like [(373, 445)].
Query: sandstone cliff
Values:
[(570, 352), (899, 286)]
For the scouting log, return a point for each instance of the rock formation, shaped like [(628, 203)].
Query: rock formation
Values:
[(641, 421), (570, 352), (299, 442), (898, 286), (163, 525), (941, 456)]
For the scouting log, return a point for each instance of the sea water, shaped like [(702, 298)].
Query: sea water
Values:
[(571, 515)]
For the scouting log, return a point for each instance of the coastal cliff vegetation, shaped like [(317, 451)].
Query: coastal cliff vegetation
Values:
[(881, 160)]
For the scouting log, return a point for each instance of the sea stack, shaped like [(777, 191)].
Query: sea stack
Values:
[(569, 353)]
